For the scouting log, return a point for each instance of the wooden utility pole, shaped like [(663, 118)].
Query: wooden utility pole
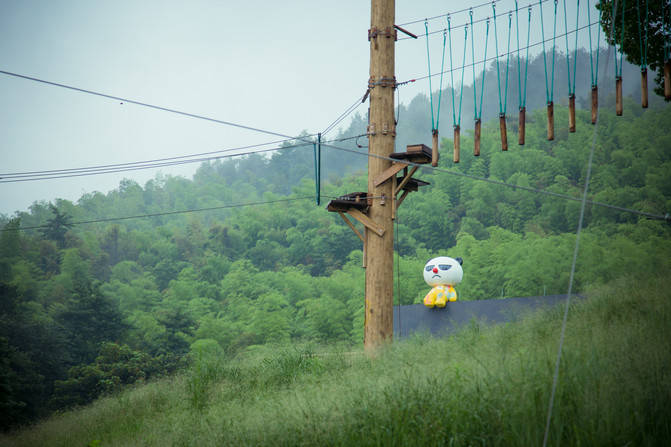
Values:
[(379, 250)]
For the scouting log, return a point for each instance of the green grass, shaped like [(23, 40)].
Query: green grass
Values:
[(483, 386)]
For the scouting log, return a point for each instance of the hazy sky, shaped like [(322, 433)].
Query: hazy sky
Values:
[(286, 67)]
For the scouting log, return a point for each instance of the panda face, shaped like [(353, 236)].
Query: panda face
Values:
[(443, 271)]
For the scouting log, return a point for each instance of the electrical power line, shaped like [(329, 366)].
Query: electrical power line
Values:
[(148, 164), (344, 115), (166, 213), (155, 160), (135, 167), (151, 106)]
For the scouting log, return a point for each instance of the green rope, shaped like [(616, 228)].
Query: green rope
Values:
[(317, 149), (457, 122), (667, 34), (554, 36), (428, 60), (449, 33), (463, 68), (505, 97), (519, 70), (618, 67), (643, 48), (575, 54), (526, 64), (503, 105), (484, 69), (442, 69), (575, 50), (594, 74), (549, 92)]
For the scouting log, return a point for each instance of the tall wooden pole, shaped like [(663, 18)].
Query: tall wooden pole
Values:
[(379, 306)]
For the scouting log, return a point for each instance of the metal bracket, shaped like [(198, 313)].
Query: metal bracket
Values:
[(383, 81), (388, 32)]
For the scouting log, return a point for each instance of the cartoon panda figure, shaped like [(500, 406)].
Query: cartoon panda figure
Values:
[(442, 273)]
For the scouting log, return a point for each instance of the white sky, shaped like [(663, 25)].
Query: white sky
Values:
[(281, 66)]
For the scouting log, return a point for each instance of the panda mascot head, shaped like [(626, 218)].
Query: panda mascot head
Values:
[(443, 270)]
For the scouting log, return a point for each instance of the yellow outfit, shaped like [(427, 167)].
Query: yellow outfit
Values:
[(440, 295)]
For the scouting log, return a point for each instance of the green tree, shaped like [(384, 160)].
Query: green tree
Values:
[(56, 227), (629, 40)]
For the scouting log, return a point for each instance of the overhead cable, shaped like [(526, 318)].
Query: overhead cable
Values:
[(166, 213), (151, 106)]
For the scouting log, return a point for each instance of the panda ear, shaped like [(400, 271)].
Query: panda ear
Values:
[(459, 260)]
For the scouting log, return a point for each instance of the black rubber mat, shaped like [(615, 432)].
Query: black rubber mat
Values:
[(439, 322)]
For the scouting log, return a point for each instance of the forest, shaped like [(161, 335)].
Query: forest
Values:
[(94, 298)]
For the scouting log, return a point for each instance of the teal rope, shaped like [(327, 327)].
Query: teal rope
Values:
[(575, 54), (502, 107), (575, 50), (428, 60), (545, 63), (594, 74), (484, 69), (449, 33), (618, 67), (475, 101), (496, 48), (554, 37), (667, 34), (643, 48), (526, 64), (568, 63), (317, 149), (519, 70), (440, 90), (463, 68)]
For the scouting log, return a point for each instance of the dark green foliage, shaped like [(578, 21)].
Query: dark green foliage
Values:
[(115, 366), (659, 16), (56, 227)]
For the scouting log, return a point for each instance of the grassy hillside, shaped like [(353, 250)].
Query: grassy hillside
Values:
[(484, 386)]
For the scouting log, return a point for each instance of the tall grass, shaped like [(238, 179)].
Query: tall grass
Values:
[(482, 386)]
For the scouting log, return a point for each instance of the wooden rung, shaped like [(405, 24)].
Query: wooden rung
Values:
[(476, 137), (618, 96), (366, 221), (595, 102), (520, 135), (551, 121), (350, 224), (434, 148), (667, 79), (455, 157), (405, 180), (389, 173), (504, 132), (571, 113), (644, 88)]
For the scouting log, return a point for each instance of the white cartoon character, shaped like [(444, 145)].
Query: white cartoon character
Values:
[(442, 273)]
